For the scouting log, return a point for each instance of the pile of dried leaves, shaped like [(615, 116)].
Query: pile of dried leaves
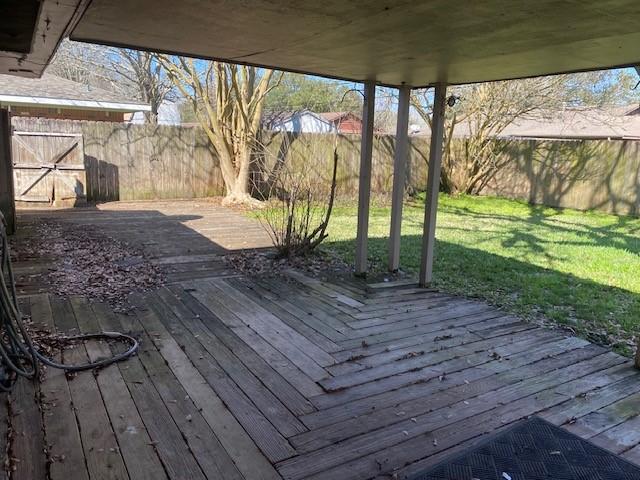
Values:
[(267, 263), (84, 261)]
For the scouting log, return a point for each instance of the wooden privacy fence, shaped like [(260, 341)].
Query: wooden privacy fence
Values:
[(135, 162), (131, 162), (585, 174)]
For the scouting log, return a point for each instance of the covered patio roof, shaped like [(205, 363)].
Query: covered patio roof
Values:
[(416, 43)]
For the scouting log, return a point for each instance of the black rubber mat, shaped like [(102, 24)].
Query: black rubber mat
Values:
[(533, 449)]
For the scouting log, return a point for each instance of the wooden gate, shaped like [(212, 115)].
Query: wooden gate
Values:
[(49, 168)]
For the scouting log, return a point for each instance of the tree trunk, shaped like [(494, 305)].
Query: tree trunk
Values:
[(238, 192), (151, 117)]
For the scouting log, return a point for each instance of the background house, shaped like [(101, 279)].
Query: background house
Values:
[(343, 122), (168, 114), (583, 123), (306, 121), (301, 121), (58, 98), (619, 123)]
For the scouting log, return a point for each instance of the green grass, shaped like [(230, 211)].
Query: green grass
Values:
[(579, 269)]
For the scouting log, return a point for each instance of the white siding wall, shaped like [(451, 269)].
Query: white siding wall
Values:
[(304, 122)]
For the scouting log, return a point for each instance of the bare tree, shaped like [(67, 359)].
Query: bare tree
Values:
[(90, 65), (484, 111), (300, 199), (151, 82), (228, 102), (481, 113), (130, 72)]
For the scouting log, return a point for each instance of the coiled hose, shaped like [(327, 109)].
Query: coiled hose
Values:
[(18, 355)]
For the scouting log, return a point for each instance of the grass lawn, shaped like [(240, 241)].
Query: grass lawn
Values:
[(580, 269)]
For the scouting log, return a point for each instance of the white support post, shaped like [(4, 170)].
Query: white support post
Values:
[(364, 186), (399, 167), (433, 184)]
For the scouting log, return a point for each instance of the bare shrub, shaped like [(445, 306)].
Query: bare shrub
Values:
[(298, 196)]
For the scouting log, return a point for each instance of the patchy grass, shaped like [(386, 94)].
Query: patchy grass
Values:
[(579, 269)]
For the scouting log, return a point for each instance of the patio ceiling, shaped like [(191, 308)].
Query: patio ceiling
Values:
[(30, 32), (413, 42)]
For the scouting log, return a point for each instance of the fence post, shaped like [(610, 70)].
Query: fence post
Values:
[(7, 200)]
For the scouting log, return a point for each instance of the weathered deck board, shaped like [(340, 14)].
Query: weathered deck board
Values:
[(431, 440), (101, 451), (136, 446), (303, 322), (303, 352), (29, 446), (213, 459), (237, 443), (281, 363), (165, 435), (422, 401), (211, 327), (378, 440), (254, 405), (260, 378), (62, 433)]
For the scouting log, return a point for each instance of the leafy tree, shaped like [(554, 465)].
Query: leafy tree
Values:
[(601, 88), (303, 92)]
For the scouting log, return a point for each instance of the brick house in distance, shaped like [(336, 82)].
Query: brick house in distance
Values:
[(344, 122), (58, 98)]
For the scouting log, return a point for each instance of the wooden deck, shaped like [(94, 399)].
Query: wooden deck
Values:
[(296, 378)]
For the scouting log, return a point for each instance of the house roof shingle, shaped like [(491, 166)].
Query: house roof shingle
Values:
[(575, 123), (334, 116), (572, 123), (52, 87)]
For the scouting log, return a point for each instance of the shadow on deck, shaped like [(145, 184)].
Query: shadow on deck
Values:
[(262, 378)]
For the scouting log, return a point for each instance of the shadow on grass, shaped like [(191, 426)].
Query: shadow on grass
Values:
[(530, 230), (604, 314)]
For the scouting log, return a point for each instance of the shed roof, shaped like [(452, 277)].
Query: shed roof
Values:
[(417, 42)]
